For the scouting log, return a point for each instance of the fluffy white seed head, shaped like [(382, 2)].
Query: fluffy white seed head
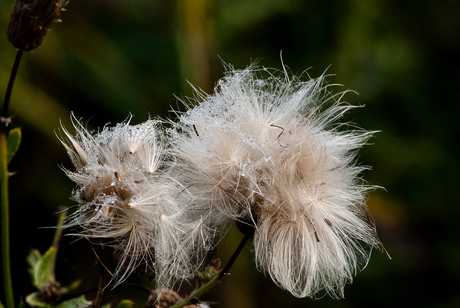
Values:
[(270, 153), (126, 198)]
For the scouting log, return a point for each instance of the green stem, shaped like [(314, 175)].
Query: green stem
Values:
[(4, 175), (6, 265), (60, 222), (211, 283), (58, 236)]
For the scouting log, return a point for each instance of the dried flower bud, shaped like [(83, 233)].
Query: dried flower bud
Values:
[(166, 299), (31, 20), (50, 292)]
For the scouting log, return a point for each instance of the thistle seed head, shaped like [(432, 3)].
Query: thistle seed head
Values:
[(271, 154), (122, 191)]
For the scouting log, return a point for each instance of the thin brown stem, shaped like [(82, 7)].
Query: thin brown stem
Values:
[(211, 283), (234, 256), (103, 276), (101, 288), (9, 89)]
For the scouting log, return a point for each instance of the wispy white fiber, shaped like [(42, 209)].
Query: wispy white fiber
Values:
[(127, 200), (271, 153)]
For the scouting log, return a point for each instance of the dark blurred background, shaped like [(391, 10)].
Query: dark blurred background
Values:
[(109, 58)]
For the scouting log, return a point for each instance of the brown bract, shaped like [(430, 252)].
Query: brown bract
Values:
[(31, 20)]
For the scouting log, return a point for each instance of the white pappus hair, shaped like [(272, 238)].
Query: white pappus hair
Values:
[(271, 153), (127, 198)]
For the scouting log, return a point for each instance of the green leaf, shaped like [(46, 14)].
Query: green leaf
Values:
[(46, 269), (126, 303), (34, 259), (33, 299), (75, 303), (13, 141), (42, 267), (73, 286)]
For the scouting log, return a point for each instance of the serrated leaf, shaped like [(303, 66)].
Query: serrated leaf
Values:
[(46, 270), (34, 259), (42, 267), (33, 299), (13, 142)]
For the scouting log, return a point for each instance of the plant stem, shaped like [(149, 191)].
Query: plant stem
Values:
[(9, 89), (4, 175), (60, 222), (6, 265), (234, 256), (101, 288), (58, 235), (211, 283), (103, 271)]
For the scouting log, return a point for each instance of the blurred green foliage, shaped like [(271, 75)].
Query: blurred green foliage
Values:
[(109, 58)]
